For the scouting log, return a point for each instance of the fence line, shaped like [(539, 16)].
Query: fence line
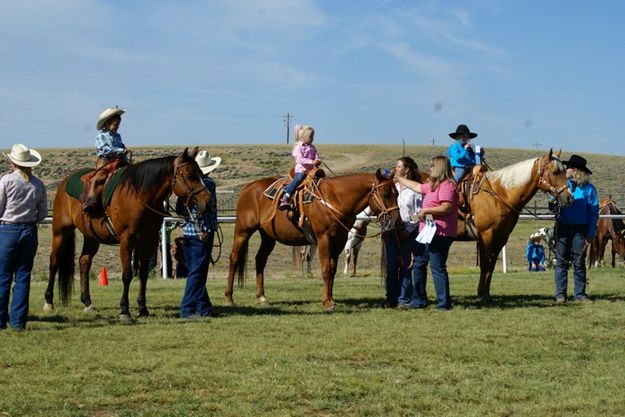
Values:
[(232, 219)]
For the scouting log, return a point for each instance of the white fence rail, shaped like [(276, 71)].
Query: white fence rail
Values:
[(231, 219)]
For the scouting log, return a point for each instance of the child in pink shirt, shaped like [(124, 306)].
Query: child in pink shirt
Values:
[(306, 158)]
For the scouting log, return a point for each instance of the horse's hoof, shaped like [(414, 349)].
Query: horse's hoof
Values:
[(486, 299), (144, 313), (229, 303), (125, 318), (89, 309), (48, 308), (331, 308), (262, 300)]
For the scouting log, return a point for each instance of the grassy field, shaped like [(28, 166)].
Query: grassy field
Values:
[(521, 356)]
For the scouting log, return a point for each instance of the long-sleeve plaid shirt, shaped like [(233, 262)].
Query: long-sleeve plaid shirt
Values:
[(206, 223)]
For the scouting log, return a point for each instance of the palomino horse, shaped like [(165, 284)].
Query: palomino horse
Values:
[(135, 214), (496, 201), (608, 229), (331, 214)]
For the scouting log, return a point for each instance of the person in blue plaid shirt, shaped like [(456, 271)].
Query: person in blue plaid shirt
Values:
[(198, 235)]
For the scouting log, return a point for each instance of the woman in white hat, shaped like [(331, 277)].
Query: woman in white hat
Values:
[(111, 153), (198, 234), (23, 204)]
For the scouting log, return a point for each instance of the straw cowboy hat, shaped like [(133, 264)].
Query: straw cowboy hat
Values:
[(578, 162), (462, 130), (206, 163), (23, 156), (107, 114)]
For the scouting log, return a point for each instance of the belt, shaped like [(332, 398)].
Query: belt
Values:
[(3, 222), (26, 223)]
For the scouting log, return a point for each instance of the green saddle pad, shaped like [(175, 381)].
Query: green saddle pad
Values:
[(74, 184)]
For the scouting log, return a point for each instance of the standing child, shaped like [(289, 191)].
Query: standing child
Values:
[(461, 154), (306, 158)]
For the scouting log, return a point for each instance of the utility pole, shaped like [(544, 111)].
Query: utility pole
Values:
[(287, 120), (536, 145), (433, 142), (403, 144)]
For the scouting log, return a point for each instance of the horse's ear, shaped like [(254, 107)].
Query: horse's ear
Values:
[(194, 152), (559, 152), (550, 153)]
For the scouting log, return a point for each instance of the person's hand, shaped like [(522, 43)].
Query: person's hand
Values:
[(467, 146), (317, 162), (421, 215)]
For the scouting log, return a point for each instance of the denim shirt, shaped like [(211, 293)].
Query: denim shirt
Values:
[(108, 143), (585, 207), (459, 157), (206, 223)]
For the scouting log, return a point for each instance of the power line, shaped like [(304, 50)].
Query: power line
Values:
[(287, 120)]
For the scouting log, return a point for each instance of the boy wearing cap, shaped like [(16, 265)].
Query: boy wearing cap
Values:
[(575, 228), (111, 153), (23, 204)]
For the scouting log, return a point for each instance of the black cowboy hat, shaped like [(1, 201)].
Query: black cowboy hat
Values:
[(462, 130), (578, 162)]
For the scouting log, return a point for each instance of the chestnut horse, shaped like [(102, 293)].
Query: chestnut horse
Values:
[(608, 229), (135, 214), (331, 214), (496, 201)]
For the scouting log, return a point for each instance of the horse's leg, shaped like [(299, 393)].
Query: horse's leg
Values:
[(144, 270), (237, 261), (328, 255), (266, 246), (125, 254), (355, 260), (488, 259), (613, 255), (60, 241), (89, 249)]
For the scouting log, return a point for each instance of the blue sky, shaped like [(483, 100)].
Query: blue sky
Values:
[(519, 73)]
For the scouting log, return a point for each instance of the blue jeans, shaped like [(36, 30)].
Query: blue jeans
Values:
[(569, 244), (197, 255), (436, 253), (290, 189), (397, 261), (459, 173), (414, 292), (407, 293), (18, 246)]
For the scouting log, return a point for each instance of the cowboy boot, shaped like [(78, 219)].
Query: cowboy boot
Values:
[(285, 202)]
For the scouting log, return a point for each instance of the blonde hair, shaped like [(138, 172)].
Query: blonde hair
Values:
[(581, 177), (304, 132), (440, 170)]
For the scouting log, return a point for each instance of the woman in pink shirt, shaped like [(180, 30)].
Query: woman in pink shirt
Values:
[(440, 200), (306, 158)]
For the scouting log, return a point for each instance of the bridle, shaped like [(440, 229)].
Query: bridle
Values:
[(188, 192), (384, 216), (546, 186)]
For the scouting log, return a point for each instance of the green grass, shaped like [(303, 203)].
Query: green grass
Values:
[(521, 356)]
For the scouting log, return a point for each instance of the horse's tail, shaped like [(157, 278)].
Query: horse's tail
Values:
[(66, 267), (240, 267)]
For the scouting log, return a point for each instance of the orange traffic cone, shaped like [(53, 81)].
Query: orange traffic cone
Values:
[(104, 280)]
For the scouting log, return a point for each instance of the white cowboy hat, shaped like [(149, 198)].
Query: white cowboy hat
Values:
[(107, 114), (206, 163), (23, 156)]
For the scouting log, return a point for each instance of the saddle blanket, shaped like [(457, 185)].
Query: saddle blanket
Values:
[(274, 190), (75, 182)]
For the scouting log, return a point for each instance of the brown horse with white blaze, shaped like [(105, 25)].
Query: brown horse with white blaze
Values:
[(496, 202), (136, 214), (331, 214)]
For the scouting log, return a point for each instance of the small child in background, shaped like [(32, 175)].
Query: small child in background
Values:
[(461, 154), (306, 158), (535, 255)]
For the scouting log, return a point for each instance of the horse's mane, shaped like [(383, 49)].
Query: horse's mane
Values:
[(518, 174), (148, 175)]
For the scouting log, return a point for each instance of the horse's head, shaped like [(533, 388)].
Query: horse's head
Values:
[(383, 201), (187, 181), (552, 178)]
